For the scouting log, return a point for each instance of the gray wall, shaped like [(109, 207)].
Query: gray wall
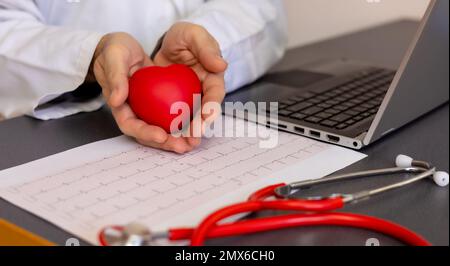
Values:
[(314, 20)]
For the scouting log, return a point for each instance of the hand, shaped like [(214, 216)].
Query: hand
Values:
[(192, 45), (117, 57)]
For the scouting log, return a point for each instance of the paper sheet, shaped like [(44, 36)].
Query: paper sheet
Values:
[(117, 181)]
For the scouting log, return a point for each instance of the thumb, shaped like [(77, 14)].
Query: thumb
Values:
[(118, 78), (116, 72), (206, 49), (119, 90), (212, 60), (146, 62)]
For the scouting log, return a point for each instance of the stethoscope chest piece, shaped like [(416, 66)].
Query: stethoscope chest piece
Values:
[(133, 235)]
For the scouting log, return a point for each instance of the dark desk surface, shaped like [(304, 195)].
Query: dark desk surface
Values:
[(422, 207)]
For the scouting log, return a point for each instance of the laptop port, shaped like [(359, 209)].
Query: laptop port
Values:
[(299, 130), (277, 125), (333, 138), (314, 134)]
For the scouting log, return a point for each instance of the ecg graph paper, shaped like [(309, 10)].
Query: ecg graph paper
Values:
[(117, 181)]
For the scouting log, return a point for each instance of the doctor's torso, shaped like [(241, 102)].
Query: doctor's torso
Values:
[(146, 20)]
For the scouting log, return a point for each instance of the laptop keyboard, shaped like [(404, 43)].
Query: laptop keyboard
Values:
[(341, 106)]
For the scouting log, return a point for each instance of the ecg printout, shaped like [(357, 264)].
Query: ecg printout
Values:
[(117, 181)]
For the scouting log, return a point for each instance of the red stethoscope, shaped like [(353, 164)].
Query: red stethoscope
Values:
[(318, 211)]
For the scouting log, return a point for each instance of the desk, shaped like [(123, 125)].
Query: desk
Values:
[(422, 207)]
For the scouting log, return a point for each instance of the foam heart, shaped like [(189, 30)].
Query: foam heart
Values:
[(153, 91)]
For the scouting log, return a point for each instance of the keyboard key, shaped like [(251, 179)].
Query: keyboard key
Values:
[(379, 100), (359, 109), (369, 87), (313, 119), (341, 99), (312, 110), (342, 89), (298, 99), (385, 88), (341, 126), (285, 113), (331, 94), (314, 101), (329, 123), (341, 118), (323, 115), (306, 95), (374, 111), (341, 107), (333, 111), (374, 102), (367, 105), (332, 102), (353, 93), (299, 106), (351, 113), (348, 104), (324, 105), (351, 122), (351, 86), (298, 116), (356, 101), (372, 94), (288, 102), (364, 97), (322, 97), (361, 90)]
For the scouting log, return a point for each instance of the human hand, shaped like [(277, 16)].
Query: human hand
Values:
[(117, 57), (192, 45)]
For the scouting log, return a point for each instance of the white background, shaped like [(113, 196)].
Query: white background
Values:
[(314, 20)]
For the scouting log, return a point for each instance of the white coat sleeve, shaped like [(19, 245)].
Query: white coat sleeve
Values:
[(252, 35), (39, 62)]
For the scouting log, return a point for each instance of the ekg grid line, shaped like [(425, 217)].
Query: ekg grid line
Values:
[(158, 185)]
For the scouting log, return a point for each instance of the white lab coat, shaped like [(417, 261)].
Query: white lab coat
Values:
[(46, 46)]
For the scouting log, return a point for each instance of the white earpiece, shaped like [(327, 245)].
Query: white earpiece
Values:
[(403, 161), (441, 179)]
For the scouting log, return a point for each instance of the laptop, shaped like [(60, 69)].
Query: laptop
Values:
[(354, 104)]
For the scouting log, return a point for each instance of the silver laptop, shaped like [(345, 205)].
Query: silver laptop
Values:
[(353, 104)]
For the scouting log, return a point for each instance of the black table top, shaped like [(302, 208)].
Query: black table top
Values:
[(422, 207)]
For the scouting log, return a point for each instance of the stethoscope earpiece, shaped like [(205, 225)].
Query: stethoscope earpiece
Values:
[(404, 161), (441, 179)]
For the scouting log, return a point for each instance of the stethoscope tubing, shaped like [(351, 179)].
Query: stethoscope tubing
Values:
[(304, 220), (199, 235), (317, 211)]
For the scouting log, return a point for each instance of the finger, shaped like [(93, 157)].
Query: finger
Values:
[(116, 72), (213, 91), (146, 62), (132, 126), (206, 49), (194, 142), (196, 131), (101, 79), (177, 145)]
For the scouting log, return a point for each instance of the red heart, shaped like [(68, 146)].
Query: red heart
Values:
[(153, 91)]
